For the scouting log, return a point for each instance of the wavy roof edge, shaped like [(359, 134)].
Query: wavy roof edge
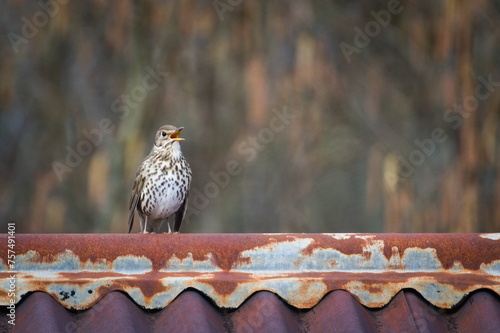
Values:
[(79, 269), (191, 311)]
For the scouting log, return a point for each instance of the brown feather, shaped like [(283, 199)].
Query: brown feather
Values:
[(134, 200), (179, 215)]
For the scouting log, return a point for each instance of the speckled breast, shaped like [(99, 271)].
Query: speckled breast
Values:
[(165, 191)]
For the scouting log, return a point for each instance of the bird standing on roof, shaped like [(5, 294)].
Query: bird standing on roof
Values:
[(162, 184)]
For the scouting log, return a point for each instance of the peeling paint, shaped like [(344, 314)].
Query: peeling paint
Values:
[(132, 265), (415, 259), (78, 270), (188, 263), (491, 236)]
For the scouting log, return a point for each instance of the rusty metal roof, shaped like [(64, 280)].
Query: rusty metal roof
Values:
[(262, 312), (356, 274)]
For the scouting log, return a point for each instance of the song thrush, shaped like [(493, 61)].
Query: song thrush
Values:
[(162, 184)]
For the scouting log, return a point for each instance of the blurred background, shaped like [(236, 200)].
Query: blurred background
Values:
[(303, 116)]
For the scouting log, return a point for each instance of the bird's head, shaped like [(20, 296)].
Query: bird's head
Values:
[(167, 137)]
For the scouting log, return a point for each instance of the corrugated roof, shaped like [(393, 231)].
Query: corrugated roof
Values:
[(244, 282), (338, 311)]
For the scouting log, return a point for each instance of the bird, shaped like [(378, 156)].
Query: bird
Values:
[(162, 183)]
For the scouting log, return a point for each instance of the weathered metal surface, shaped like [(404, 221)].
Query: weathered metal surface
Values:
[(263, 311), (79, 269)]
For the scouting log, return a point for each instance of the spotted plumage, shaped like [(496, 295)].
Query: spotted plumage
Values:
[(162, 184)]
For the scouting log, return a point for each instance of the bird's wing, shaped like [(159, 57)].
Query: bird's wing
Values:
[(134, 200), (179, 214)]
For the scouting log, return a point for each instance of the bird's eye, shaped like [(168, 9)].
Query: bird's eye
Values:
[(163, 134)]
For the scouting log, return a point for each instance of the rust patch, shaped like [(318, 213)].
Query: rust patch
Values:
[(374, 288), (470, 249), (78, 270), (95, 248), (226, 283), (346, 243)]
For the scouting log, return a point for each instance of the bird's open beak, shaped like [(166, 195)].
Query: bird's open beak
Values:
[(175, 136)]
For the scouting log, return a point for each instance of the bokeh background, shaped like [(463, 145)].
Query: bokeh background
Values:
[(299, 116)]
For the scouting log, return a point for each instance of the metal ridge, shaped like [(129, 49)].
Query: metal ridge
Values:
[(153, 269)]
